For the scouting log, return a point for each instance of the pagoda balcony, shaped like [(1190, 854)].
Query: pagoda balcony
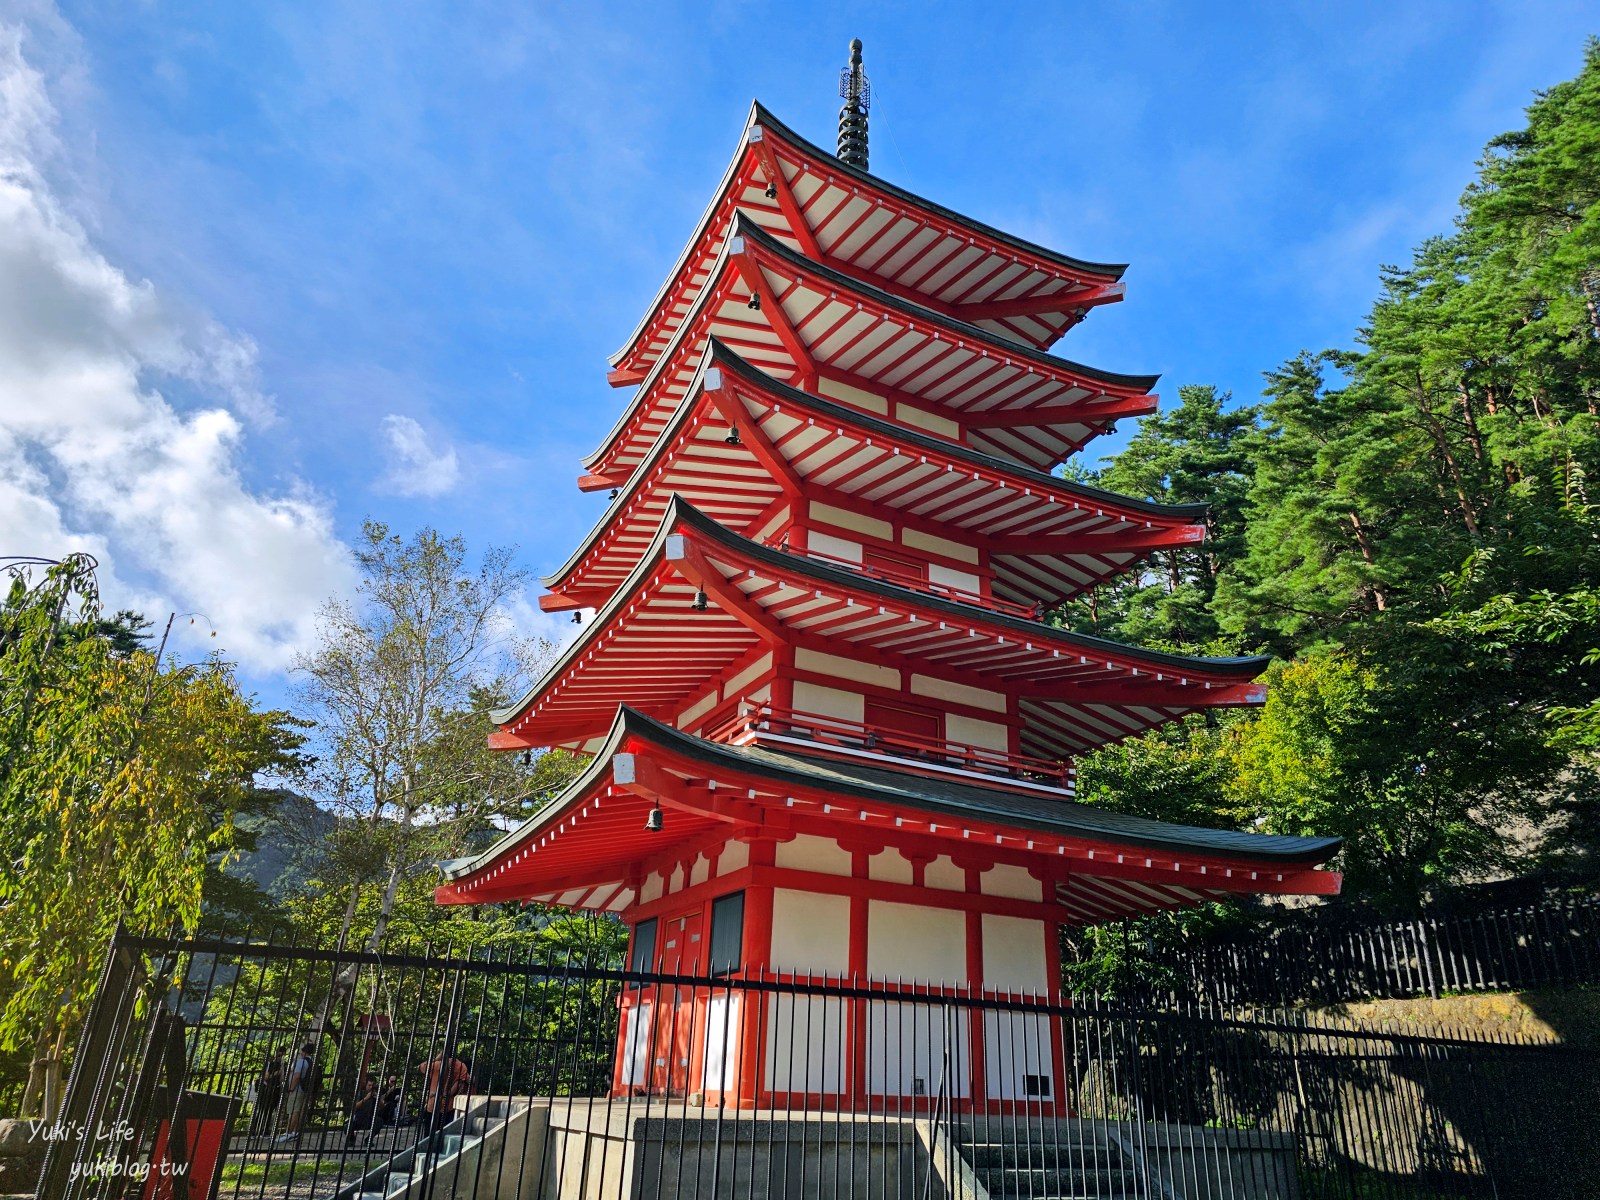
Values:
[(772, 726), (916, 583)]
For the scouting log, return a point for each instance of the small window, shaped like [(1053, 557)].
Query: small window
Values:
[(642, 957), (727, 934), (1036, 1086)]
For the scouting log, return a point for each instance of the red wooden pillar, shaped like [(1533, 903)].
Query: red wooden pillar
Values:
[(1058, 1050), (980, 1065), (859, 1009), (757, 961)]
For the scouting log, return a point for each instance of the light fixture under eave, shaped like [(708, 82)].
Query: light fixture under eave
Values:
[(754, 302), (699, 604), (652, 823), (577, 618), (772, 191), (733, 436)]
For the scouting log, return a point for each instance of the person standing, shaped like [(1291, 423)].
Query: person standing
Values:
[(269, 1094), (297, 1092), (444, 1077)]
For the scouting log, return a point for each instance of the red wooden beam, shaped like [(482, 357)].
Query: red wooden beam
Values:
[(1055, 414), (786, 200), (1025, 306), (1119, 542)]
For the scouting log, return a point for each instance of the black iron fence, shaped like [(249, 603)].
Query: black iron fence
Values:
[(227, 1069), (1548, 945)]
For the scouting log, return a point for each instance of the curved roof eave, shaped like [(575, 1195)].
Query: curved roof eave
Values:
[(1063, 817), (748, 229), (577, 786), (760, 115), (763, 117), (727, 359), (1244, 666), (744, 227), (681, 512)]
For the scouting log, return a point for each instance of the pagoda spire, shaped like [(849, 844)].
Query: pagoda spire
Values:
[(856, 92)]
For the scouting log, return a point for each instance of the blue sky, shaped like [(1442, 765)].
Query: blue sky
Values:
[(275, 268)]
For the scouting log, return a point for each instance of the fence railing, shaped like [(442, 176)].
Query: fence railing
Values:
[(1553, 944), (521, 1074)]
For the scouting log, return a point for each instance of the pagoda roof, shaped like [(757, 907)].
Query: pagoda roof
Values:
[(1048, 538), (816, 323), (858, 223), (584, 849), (648, 646)]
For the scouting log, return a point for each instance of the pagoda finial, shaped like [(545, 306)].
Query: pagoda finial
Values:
[(856, 92)]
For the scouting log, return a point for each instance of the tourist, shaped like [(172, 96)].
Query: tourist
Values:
[(444, 1078), (297, 1092), (269, 1094), (363, 1114), (390, 1111)]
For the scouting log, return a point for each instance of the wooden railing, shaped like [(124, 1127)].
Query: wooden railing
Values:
[(905, 579), (936, 753)]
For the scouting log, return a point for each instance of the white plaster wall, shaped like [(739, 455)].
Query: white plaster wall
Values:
[(957, 693), (1015, 882), (826, 543), (853, 395), (905, 1050), (828, 702), (698, 709), (943, 874), (846, 668), (918, 540), (735, 856), (988, 735), (845, 519), (636, 1045), (652, 890), (965, 580), (1016, 1045), (754, 671), (723, 1030), (890, 866), (810, 933), (778, 520), (1013, 954), (700, 871), (806, 1040), (761, 694), (809, 853), (909, 942), (932, 422)]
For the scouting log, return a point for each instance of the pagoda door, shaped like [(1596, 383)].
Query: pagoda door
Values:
[(683, 952)]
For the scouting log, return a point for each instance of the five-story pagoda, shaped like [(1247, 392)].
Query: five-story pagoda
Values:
[(828, 737)]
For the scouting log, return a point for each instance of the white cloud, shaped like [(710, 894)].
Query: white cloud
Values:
[(94, 455), (416, 466)]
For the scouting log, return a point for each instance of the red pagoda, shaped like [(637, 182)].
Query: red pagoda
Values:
[(828, 736)]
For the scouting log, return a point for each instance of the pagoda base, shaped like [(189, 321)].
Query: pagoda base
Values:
[(611, 1150)]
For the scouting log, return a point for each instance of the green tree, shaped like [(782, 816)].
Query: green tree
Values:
[(1192, 454), (119, 782)]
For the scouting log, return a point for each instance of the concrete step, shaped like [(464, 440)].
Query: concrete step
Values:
[(1060, 1184), (1051, 1154)]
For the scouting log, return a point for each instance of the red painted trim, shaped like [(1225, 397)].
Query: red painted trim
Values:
[(978, 1058)]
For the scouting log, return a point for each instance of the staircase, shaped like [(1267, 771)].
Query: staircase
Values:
[(1065, 1161), (466, 1152)]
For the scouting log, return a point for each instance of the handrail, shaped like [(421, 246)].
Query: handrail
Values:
[(772, 719), (916, 583)]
